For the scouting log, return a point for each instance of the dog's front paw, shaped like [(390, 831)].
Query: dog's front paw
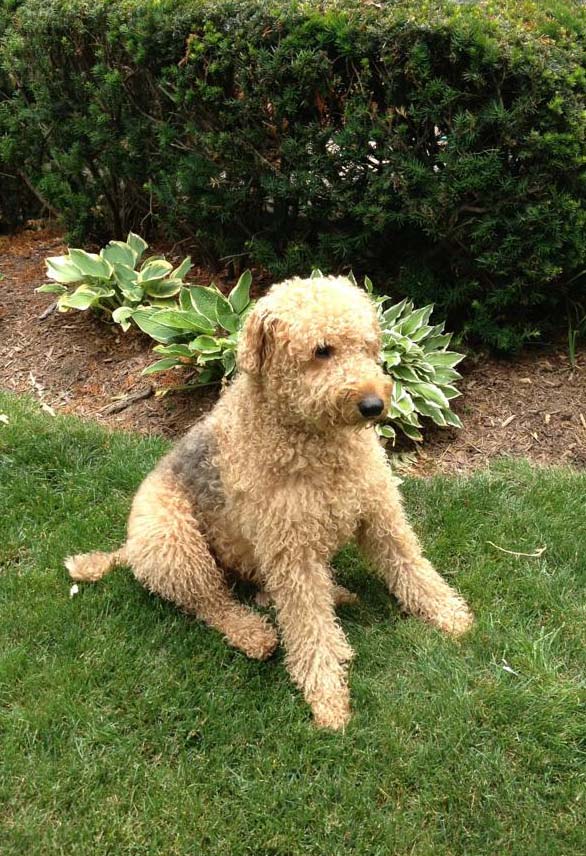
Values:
[(331, 710), (455, 617), (253, 634)]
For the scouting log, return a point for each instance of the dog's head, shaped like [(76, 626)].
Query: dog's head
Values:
[(314, 346)]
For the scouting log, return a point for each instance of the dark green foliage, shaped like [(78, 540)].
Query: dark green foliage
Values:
[(440, 146), (17, 203)]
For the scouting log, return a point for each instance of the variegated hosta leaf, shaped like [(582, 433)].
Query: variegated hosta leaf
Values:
[(162, 365), (63, 270), (239, 297), (119, 253), (122, 316), (90, 264), (136, 243), (83, 298)]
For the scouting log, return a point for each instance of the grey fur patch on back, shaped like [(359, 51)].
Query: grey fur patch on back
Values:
[(192, 462)]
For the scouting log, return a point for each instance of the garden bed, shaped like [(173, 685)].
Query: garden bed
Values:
[(534, 406)]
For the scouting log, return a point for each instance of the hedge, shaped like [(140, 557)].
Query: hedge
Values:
[(17, 203), (439, 146)]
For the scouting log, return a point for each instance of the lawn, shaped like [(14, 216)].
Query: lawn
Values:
[(128, 728)]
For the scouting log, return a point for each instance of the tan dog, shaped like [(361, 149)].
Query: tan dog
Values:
[(284, 471)]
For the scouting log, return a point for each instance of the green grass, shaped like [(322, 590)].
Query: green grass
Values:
[(127, 728)]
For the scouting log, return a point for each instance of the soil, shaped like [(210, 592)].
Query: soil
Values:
[(534, 406)]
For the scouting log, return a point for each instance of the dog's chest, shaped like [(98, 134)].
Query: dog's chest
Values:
[(338, 504), (317, 506)]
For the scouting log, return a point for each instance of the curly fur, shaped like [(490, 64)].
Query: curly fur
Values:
[(273, 482)]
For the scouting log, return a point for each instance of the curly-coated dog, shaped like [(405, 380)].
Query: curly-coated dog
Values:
[(284, 471)]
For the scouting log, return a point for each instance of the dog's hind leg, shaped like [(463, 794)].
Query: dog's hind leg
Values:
[(170, 556)]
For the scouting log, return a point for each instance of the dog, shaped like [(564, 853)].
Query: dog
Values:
[(284, 471)]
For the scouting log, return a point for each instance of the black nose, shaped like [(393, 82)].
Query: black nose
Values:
[(371, 406)]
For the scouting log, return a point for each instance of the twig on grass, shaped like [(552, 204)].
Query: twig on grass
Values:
[(535, 555)]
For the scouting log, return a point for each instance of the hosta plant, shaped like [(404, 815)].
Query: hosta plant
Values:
[(415, 354), (114, 280), (198, 327), (201, 330)]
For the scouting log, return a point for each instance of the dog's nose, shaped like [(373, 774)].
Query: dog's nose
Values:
[(371, 406)]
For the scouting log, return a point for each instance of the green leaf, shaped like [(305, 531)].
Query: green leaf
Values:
[(210, 374), (119, 253), (404, 404), (82, 298), (62, 269), (369, 287), (206, 345), (387, 431), (162, 287), (393, 312), (411, 419), (227, 319), (405, 373), (183, 269), (449, 391), (184, 321), (162, 365), (391, 358), (415, 320), (205, 301), (149, 323), (125, 273), (442, 376), (133, 293), (421, 334), (163, 302), (229, 362), (239, 297), (204, 357), (174, 350), (452, 419), (51, 288), (137, 244), (436, 343), (122, 316), (316, 274), (426, 408), (411, 432), (445, 359), (154, 269), (422, 368), (430, 392), (126, 280), (90, 264)]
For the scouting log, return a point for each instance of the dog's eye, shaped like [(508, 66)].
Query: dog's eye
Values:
[(323, 352)]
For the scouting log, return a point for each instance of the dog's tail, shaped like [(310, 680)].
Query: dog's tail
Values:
[(89, 567)]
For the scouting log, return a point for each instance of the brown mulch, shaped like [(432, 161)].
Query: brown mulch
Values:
[(534, 406)]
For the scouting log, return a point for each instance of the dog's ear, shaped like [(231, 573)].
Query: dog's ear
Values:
[(257, 342)]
